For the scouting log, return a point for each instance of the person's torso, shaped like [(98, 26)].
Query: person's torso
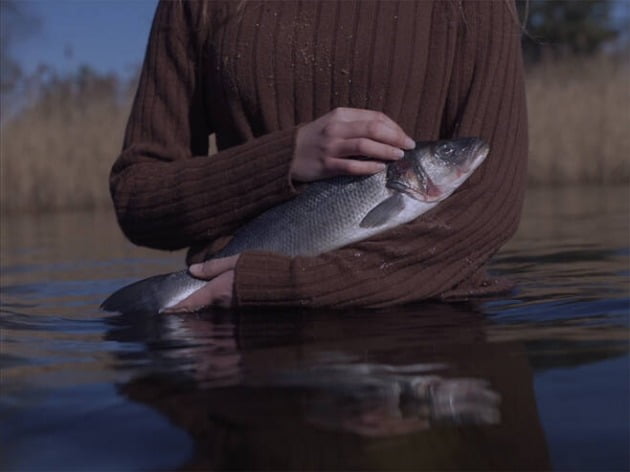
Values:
[(273, 65)]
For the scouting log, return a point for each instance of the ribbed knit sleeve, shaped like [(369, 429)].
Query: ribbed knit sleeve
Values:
[(167, 192), (442, 252)]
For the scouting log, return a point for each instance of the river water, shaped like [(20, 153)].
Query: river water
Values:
[(536, 379)]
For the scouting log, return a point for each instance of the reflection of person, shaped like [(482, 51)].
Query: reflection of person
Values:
[(294, 91), (405, 392)]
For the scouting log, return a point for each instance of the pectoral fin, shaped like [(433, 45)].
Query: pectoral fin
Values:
[(383, 212)]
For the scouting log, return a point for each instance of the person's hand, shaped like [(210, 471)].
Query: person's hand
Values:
[(217, 292), (338, 143)]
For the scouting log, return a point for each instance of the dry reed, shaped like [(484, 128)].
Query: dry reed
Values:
[(58, 156), (579, 122)]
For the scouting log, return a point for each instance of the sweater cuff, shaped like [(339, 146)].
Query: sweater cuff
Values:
[(264, 279), (275, 156)]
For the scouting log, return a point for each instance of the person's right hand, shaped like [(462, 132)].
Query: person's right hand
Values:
[(338, 143)]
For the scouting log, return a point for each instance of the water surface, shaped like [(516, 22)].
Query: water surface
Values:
[(536, 379)]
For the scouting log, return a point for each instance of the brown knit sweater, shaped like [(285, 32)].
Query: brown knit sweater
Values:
[(253, 75)]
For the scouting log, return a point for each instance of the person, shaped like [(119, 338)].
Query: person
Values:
[(297, 91)]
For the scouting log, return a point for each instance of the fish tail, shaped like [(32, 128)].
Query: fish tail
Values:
[(148, 295)]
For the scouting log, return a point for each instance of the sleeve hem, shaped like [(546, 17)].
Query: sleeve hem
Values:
[(264, 279)]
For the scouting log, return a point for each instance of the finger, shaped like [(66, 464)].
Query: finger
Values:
[(365, 147), (210, 269), (198, 300), (217, 292), (373, 129), (353, 167), (362, 115)]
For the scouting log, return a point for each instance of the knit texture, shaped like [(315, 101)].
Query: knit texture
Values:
[(252, 75)]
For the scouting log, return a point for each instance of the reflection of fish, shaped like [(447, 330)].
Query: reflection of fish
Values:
[(380, 399), (328, 215)]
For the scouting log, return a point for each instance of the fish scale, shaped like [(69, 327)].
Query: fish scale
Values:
[(329, 214), (325, 217)]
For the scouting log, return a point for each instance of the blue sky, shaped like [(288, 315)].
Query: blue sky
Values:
[(108, 35)]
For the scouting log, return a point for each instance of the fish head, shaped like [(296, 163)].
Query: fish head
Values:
[(434, 169)]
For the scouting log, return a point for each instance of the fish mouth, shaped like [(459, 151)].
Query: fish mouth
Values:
[(476, 154), (479, 149)]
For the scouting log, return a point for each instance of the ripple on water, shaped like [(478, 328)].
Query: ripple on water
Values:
[(75, 379)]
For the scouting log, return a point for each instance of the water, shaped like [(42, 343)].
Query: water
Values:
[(536, 379)]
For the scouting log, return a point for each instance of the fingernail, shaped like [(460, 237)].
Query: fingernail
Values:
[(196, 269), (399, 153), (409, 143)]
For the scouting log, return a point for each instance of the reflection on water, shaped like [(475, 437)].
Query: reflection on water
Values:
[(533, 380), (406, 389), (384, 399)]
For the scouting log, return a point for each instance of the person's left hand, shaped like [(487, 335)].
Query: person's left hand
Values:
[(217, 292)]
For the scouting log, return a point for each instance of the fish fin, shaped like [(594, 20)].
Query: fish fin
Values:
[(383, 212), (147, 295)]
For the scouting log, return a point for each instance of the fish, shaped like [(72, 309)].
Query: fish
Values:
[(329, 214)]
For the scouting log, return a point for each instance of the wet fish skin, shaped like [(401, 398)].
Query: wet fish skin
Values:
[(329, 214)]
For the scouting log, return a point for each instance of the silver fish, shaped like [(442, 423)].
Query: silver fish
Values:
[(328, 215)]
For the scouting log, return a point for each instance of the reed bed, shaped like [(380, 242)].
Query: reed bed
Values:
[(579, 122), (59, 158), (56, 153)]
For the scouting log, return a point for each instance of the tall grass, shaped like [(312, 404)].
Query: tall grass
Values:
[(579, 113), (56, 153)]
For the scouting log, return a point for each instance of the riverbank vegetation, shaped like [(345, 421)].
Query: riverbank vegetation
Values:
[(56, 152), (59, 134), (579, 117)]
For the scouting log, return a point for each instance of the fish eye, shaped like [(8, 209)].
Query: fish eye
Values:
[(445, 150)]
